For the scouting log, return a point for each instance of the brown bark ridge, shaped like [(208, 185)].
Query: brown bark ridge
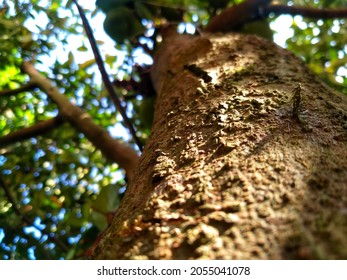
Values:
[(250, 163)]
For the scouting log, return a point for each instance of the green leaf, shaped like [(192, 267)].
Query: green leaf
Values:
[(85, 65), (5, 206), (82, 48), (107, 200), (99, 220)]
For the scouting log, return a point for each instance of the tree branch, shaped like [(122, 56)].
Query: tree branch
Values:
[(33, 131), (105, 77), (305, 11), (28, 221), (24, 88), (114, 150), (235, 16)]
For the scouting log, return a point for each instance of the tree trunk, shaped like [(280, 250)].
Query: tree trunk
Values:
[(247, 159)]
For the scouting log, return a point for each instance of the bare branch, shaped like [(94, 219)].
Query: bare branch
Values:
[(33, 131), (114, 150), (106, 78), (234, 17), (305, 11), (10, 92)]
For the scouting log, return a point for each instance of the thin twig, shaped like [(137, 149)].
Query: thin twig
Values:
[(32, 131), (11, 92), (105, 76)]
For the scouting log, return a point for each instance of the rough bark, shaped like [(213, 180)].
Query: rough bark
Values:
[(247, 159)]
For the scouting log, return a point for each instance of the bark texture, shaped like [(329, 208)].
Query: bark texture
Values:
[(247, 159)]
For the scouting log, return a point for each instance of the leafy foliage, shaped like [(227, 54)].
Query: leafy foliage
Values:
[(54, 179), (57, 191), (322, 44)]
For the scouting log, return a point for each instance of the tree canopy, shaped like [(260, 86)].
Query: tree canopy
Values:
[(58, 187)]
